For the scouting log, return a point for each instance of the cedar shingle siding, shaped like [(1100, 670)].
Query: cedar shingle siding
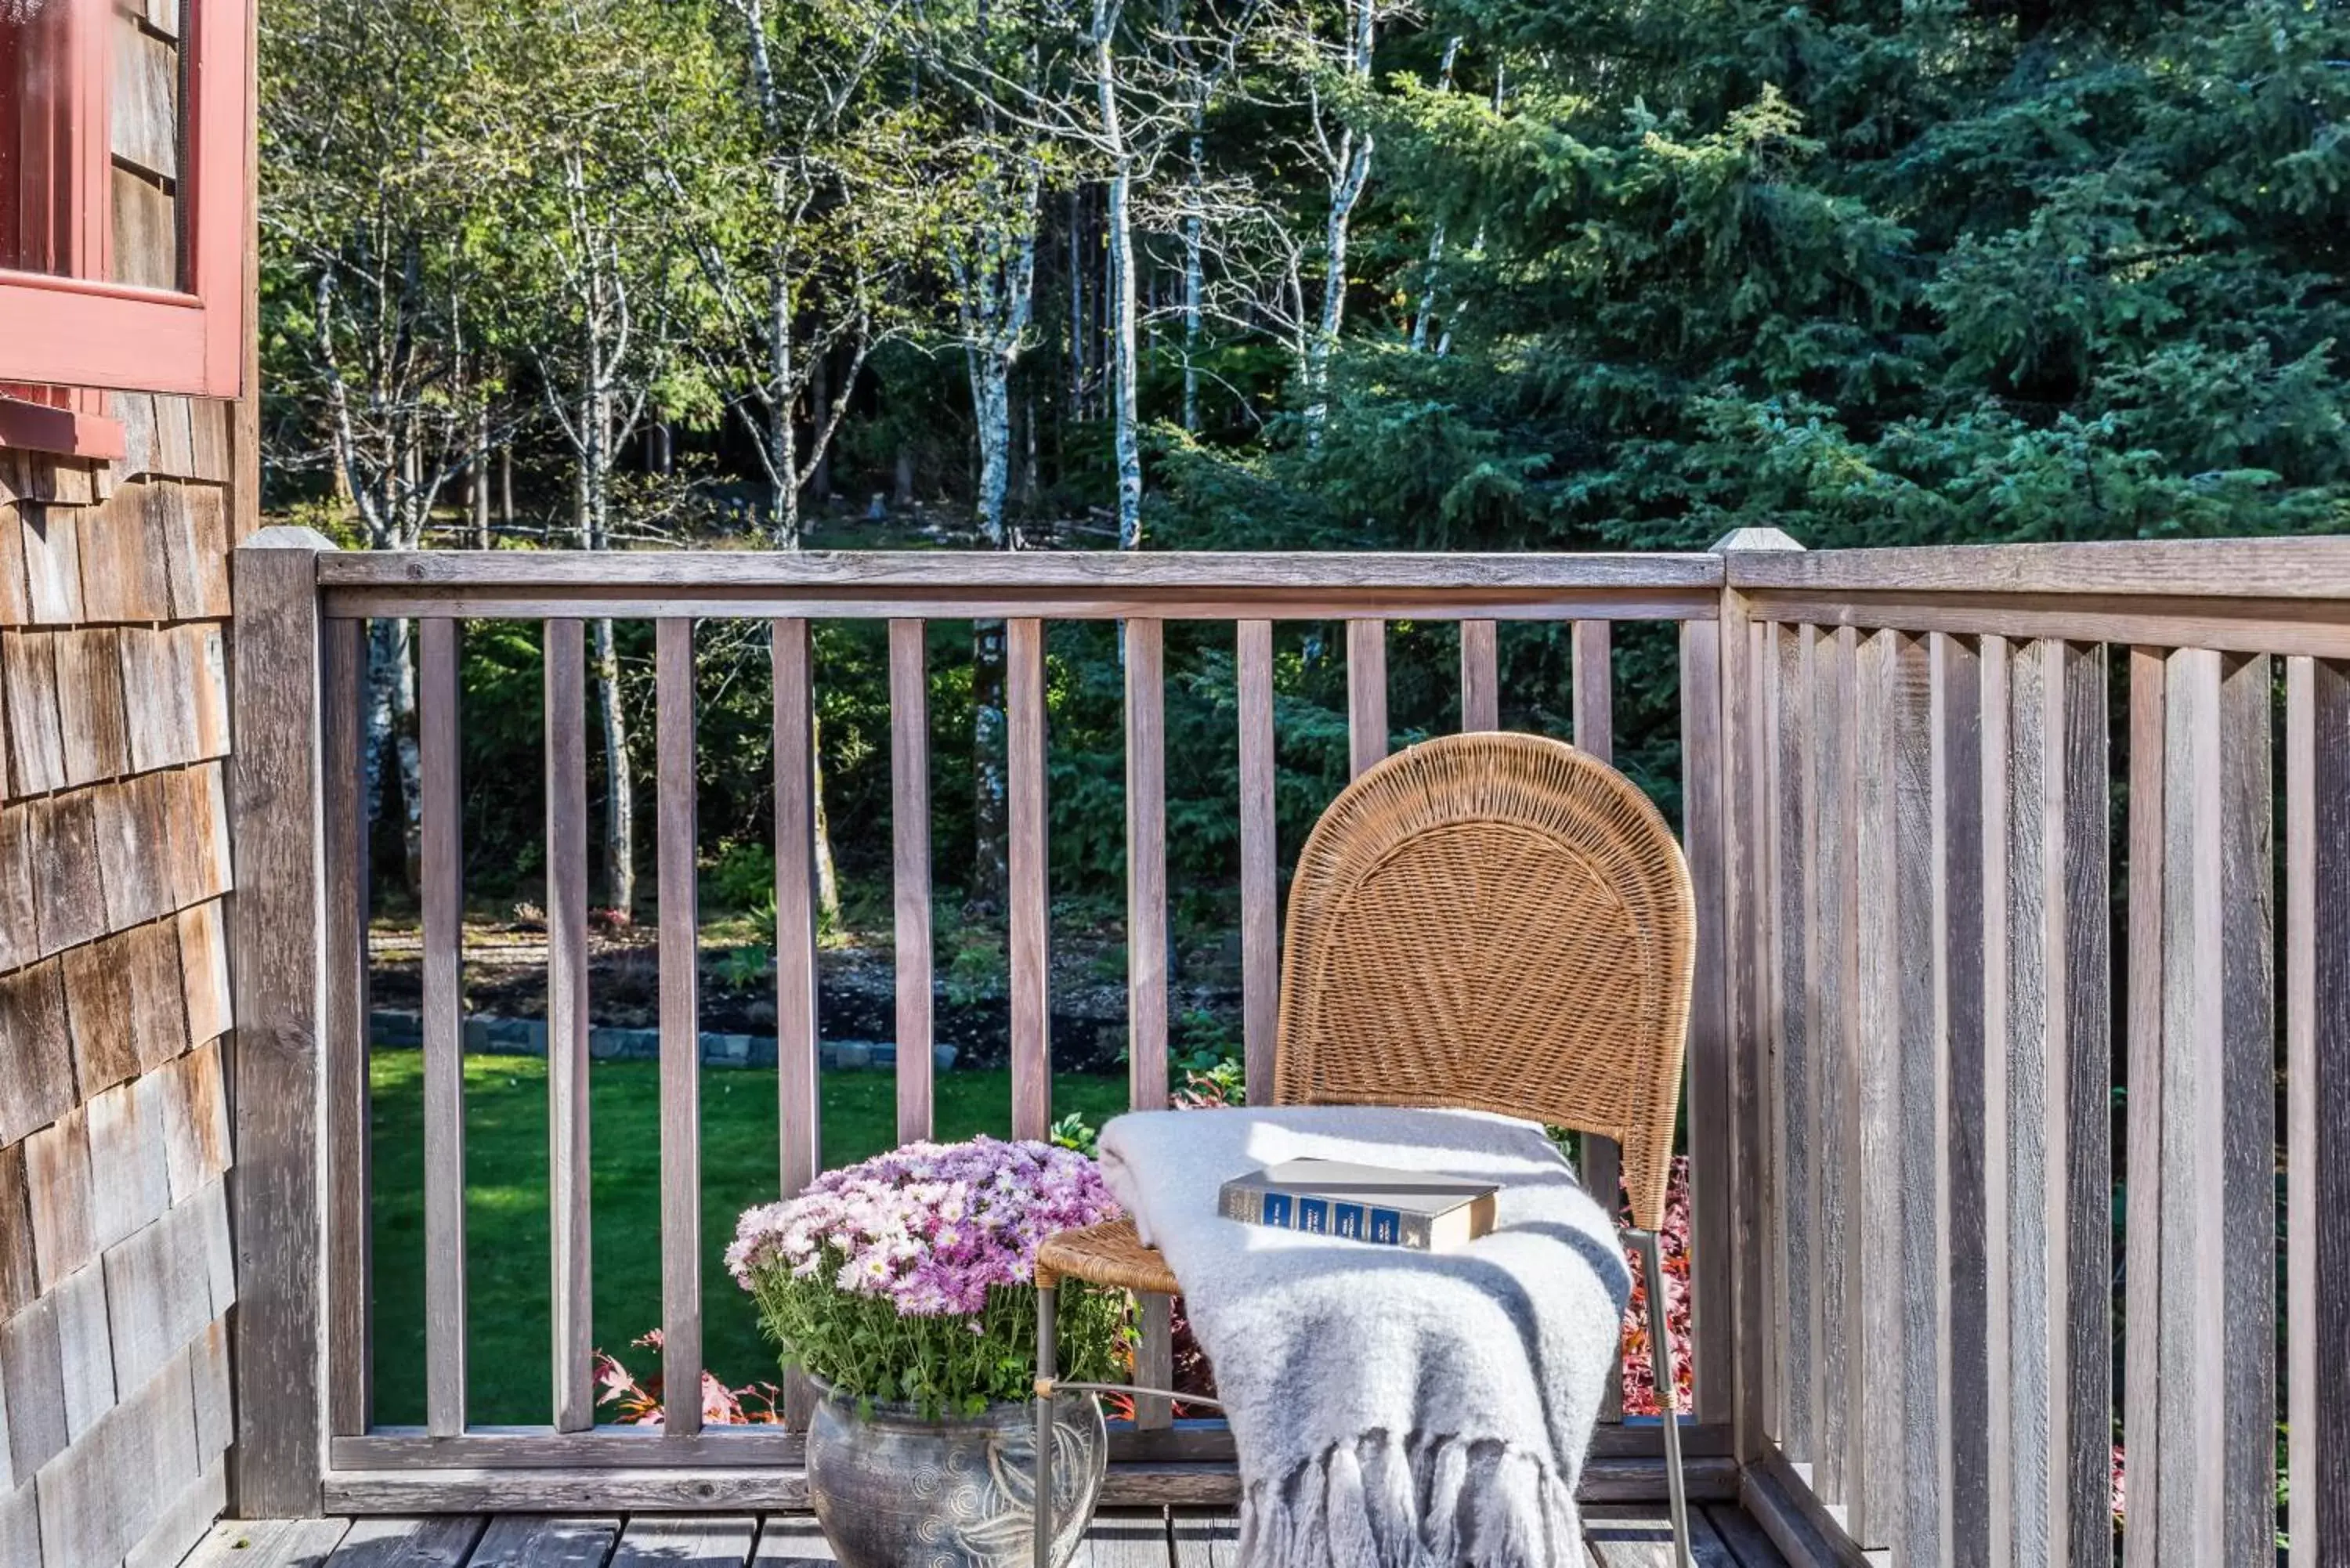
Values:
[(115, 1266)]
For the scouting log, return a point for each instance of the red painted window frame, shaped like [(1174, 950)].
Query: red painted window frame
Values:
[(82, 332)]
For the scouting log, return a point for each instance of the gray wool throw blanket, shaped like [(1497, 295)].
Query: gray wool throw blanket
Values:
[(1391, 1408)]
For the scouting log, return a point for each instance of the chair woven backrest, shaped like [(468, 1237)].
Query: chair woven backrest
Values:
[(1498, 922)]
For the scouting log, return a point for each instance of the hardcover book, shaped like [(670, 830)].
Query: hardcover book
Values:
[(1425, 1211)]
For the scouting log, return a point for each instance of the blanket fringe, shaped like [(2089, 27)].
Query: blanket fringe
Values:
[(1434, 1502)]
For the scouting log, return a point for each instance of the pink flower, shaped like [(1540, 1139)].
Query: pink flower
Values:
[(930, 1227)]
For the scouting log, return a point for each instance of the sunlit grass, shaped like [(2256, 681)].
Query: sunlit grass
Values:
[(506, 1247)]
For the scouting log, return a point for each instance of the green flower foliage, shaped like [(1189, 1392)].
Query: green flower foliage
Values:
[(863, 1349)]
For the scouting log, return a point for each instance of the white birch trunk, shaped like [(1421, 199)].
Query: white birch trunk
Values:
[(392, 726), (1423, 317), (1349, 172), (1123, 349), (782, 438), (482, 478), (1193, 282)]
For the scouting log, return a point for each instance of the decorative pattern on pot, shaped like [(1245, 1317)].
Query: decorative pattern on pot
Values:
[(894, 1490)]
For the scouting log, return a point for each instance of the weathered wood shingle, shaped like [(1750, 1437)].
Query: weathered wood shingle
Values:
[(57, 1168), (90, 705), (158, 1016), (66, 885), (20, 924), (20, 1520), (133, 1187), (203, 969), (102, 1495), (195, 1121), (30, 1366), (28, 679), (197, 820), (175, 445), (38, 1087), (85, 1349), (123, 575), (133, 852), (98, 1015), (145, 101), (50, 539), (16, 607), (159, 1280), (18, 1282), (195, 543)]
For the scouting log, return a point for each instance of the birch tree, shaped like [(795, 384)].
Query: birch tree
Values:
[(1336, 67), (1133, 87), (382, 295), (581, 86), (786, 172)]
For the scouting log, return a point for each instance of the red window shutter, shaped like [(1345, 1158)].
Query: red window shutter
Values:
[(67, 319)]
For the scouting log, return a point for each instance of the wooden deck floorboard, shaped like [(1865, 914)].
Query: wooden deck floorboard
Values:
[(1614, 1536)]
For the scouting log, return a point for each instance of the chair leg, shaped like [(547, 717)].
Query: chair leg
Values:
[(1047, 1323), (1661, 1367)]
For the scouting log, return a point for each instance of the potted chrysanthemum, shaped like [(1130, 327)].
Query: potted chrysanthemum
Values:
[(904, 1288)]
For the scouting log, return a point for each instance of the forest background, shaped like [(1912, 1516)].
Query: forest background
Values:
[(1492, 275), (1171, 274)]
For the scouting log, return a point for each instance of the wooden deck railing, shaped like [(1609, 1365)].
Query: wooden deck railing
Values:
[(1898, 775), (1938, 1038)]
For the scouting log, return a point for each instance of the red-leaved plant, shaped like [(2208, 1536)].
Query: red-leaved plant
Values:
[(1673, 1240), (639, 1404)]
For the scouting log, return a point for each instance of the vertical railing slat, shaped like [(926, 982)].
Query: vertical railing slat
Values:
[(1367, 694), (1704, 803), (1874, 1298), (2058, 1057), (1593, 680), (2034, 839), (1833, 1057), (1997, 677), (797, 1107), (1747, 828), (1765, 1326), (569, 1224), (680, 1031), (1962, 1368), (910, 823), (2142, 1432), (2303, 1219), (2079, 1073), (2318, 1095), (1260, 862), (2217, 1380), (1028, 891), (342, 774), (444, 1061), (1145, 942), (1481, 676), (1795, 793)]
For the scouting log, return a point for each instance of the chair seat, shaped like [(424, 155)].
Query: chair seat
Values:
[(1106, 1255)]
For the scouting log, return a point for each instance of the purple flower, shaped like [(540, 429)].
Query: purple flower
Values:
[(930, 1227)]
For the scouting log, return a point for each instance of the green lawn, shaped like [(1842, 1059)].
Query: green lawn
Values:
[(506, 1221)]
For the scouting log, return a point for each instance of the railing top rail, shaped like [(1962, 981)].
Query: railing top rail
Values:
[(1184, 572), (1056, 584), (2303, 567)]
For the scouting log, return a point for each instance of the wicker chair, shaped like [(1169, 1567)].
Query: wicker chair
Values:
[(1494, 921)]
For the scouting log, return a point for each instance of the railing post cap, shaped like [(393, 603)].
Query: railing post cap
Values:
[(1756, 539), (289, 537)]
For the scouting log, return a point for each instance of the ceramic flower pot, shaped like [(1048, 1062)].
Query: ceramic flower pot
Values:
[(894, 1490)]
